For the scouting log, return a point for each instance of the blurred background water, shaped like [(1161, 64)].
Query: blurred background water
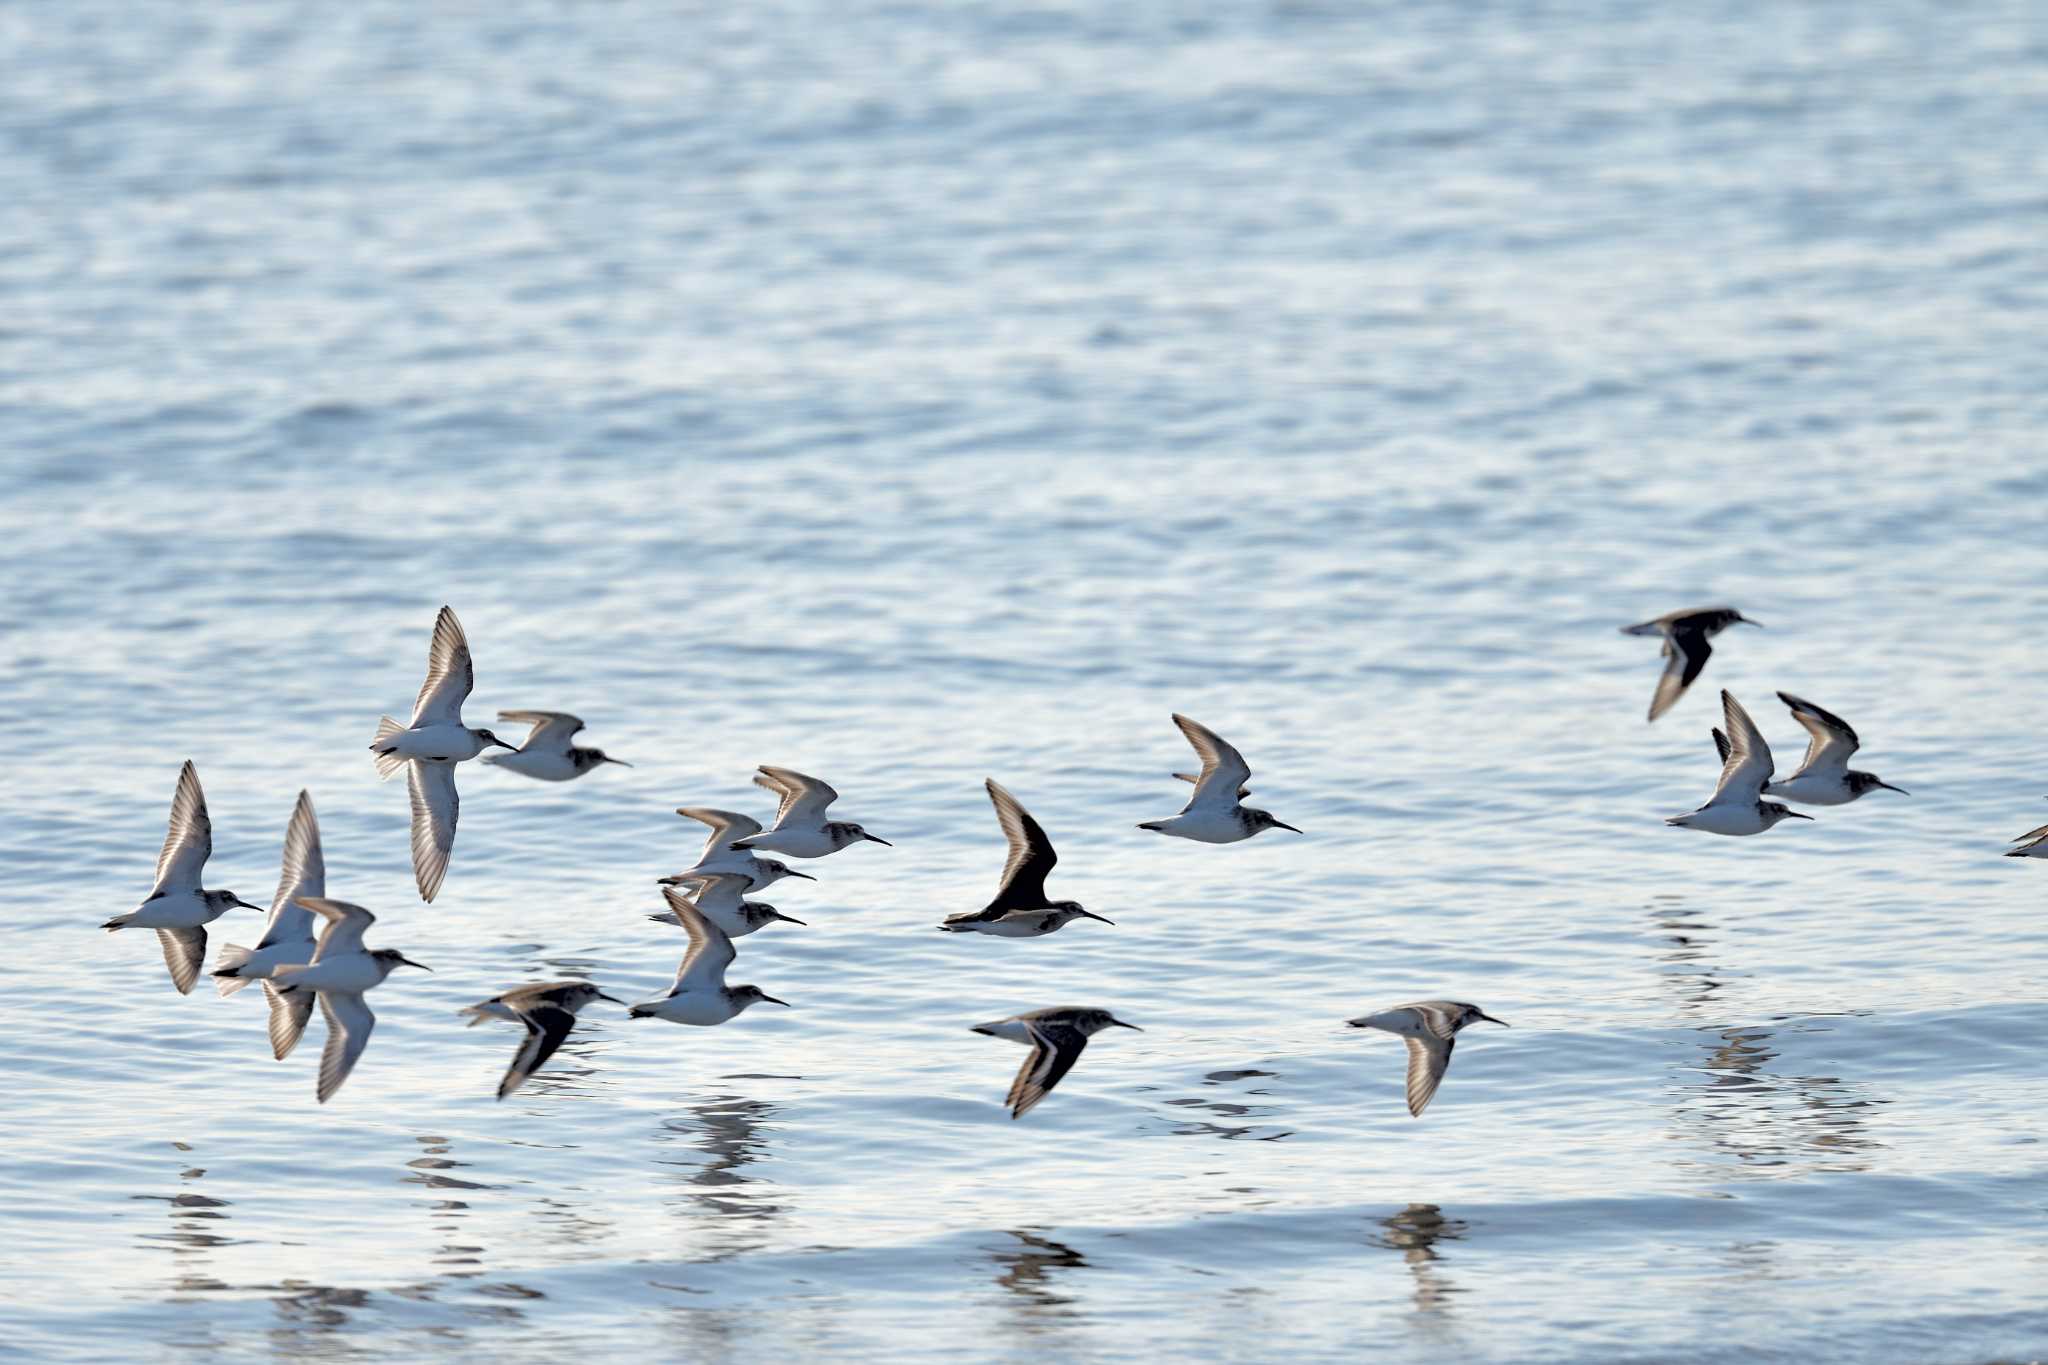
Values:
[(913, 393)]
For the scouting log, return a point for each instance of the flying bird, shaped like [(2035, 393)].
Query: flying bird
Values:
[(548, 1011), (1737, 805), (801, 829), (1216, 813), (720, 855), (430, 748), (700, 995), (177, 907), (1686, 634), (719, 899), (547, 753), (1055, 1037), (1824, 777), (1431, 1030), (1020, 909), (287, 935), (341, 971), (2032, 844)]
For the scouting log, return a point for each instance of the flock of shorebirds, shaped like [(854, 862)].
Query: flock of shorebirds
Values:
[(336, 969)]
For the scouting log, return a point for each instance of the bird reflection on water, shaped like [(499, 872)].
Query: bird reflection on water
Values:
[(1026, 1272), (195, 1231), (727, 1129), (1770, 1123), (1415, 1232)]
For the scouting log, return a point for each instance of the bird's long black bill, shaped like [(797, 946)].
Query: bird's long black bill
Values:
[(410, 963), (873, 840), (773, 1001), (613, 998), (1890, 788), (1282, 824), (789, 919), (1121, 1024), (792, 872), (1090, 914), (620, 761), (1491, 1020)]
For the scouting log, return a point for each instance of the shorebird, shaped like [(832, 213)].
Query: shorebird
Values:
[(547, 753), (548, 1011), (1685, 647), (287, 936), (801, 829), (430, 748), (1215, 814), (1020, 909), (719, 855), (1431, 1029), (1055, 1037), (2032, 844), (177, 908), (1736, 806), (340, 972), (718, 899), (1824, 777), (700, 995)]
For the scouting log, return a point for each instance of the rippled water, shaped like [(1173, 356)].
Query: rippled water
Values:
[(912, 394)]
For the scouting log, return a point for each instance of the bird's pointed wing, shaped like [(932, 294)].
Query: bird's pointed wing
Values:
[(304, 874), (717, 891), (184, 952), (345, 926), (1242, 791), (188, 843), (546, 1027), (710, 951), (1428, 1059), (1748, 765), (449, 675), (1054, 1050), (434, 808), (288, 1015), (804, 798), (1031, 854), (1224, 770), (1685, 654), (552, 730), (1830, 741), (726, 826), (349, 1022)]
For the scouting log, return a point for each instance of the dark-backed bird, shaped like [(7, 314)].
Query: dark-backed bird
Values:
[(1055, 1037), (1686, 634), (1020, 908), (548, 1011)]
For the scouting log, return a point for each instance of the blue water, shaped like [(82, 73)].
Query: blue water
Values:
[(915, 393)]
